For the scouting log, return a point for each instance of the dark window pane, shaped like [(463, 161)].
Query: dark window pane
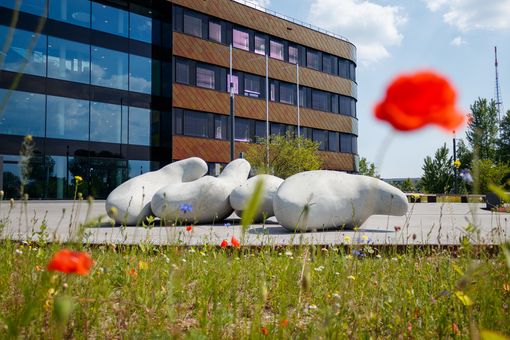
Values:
[(68, 60), (287, 93), (276, 49), (140, 74), (252, 86), (205, 78), (260, 44), (319, 100), (19, 56), (302, 97), (220, 127), (334, 103), (352, 71), (67, 118), (109, 19), (241, 39), (354, 144), (109, 68), (327, 63), (105, 122), (139, 126), (140, 27), (36, 7), (76, 12), (242, 130), (23, 114), (137, 168), (334, 143), (321, 136), (345, 105), (195, 124), (272, 93), (260, 129), (343, 68), (353, 107), (293, 55), (345, 143), (214, 31), (193, 25), (277, 129), (312, 60), (178, 121), (181, 72)]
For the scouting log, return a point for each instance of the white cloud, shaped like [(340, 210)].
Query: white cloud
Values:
[(371, 27), (457, 41), (255, 3), (468, 15)]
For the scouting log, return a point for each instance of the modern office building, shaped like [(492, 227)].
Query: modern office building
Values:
[(112, 89)]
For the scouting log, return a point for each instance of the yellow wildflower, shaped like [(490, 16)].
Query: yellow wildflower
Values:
[(347, 239), (78, 179), (351, 277)]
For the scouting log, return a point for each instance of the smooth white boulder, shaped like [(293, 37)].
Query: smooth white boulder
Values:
[(207, 196), (322, 199), (241, 195), (130, 202)]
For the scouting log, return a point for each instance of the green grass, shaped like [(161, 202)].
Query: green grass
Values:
[(180, 292)]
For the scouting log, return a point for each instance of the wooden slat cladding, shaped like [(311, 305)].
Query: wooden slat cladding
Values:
[(218, 151), (210, 52), (263, 22), (193, 98)]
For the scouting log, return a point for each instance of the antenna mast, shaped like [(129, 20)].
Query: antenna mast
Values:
[(499, 101)]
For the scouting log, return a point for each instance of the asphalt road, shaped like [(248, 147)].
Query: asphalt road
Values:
[(425, 223)]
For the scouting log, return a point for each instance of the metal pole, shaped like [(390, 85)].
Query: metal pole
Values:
[(454, 167), (267, 111), (232, 123), (297, 91)]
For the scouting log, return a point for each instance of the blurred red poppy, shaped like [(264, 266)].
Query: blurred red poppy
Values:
[(224, 244), (415, 100), (189, 228), (71, 262), (235, 242), (264, 331)]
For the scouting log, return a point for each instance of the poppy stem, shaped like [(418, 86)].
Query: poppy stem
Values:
[(383, 149)]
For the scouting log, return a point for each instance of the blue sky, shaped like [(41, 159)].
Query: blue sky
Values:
[(454, 37)]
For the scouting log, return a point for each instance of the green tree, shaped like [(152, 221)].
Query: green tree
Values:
[(407, 186), (504, 139), (367, 168), (288, 155), (489, 173), (438, 172), (482, 130)]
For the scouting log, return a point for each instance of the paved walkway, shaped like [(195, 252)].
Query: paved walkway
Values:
[(425, 223)]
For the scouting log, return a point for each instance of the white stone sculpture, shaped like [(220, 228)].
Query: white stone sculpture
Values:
[(240, 196), (322, 199), (130, 202), (207, 196)]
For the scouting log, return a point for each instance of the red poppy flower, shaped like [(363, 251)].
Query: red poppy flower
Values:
[(224, 244), (284, 323), (235, 242), (415, 100), (189, 228), (264, 331), (71, 262)]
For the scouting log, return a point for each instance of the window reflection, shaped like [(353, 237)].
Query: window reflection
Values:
[(260, 44), (109, 68), (312, 60), (251, 86), (241, 39), (76, 12), (193, 25), (67, 118), (139, 126), (68, 60), (242, 130), (215, 31), (137, 168), (181, 72), (345, 142), (140, 27), (195, 124), (105, 122), (23, 114), (109, 19), (140, 74), (220, 127), (293, 55), (276, 49), (19, 56), (36, 7), (205, 78)]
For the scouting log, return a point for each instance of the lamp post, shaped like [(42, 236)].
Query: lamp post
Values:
[(232, 123), (455, 165)]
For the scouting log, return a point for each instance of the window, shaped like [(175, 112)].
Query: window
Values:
[(345, 143), (220, 127), (302, 97), (109, 68), (260, 129), (67, 118), (109, 19), (319, 100), (321, 136), (343, 68), (354, 144), (277, 129), (235, 81), (193, 25), (36, 7), (334, 103), (20, 115), (345, 105), (272, 95), (140, 27), (215, 31), (139, 126), (276, 49), (105, 122), (76, 12), (287, 93), (353, 108), (260, 44), (177, 120), (137, 168), (19, 53), (195, 124), (182, 72), (293, 54), (242, 130), (333, 144), (312, 60), (241, 39), (251, 86), (205, 78), (68, 60), (352, 71), (327, 64), (140, 74)]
